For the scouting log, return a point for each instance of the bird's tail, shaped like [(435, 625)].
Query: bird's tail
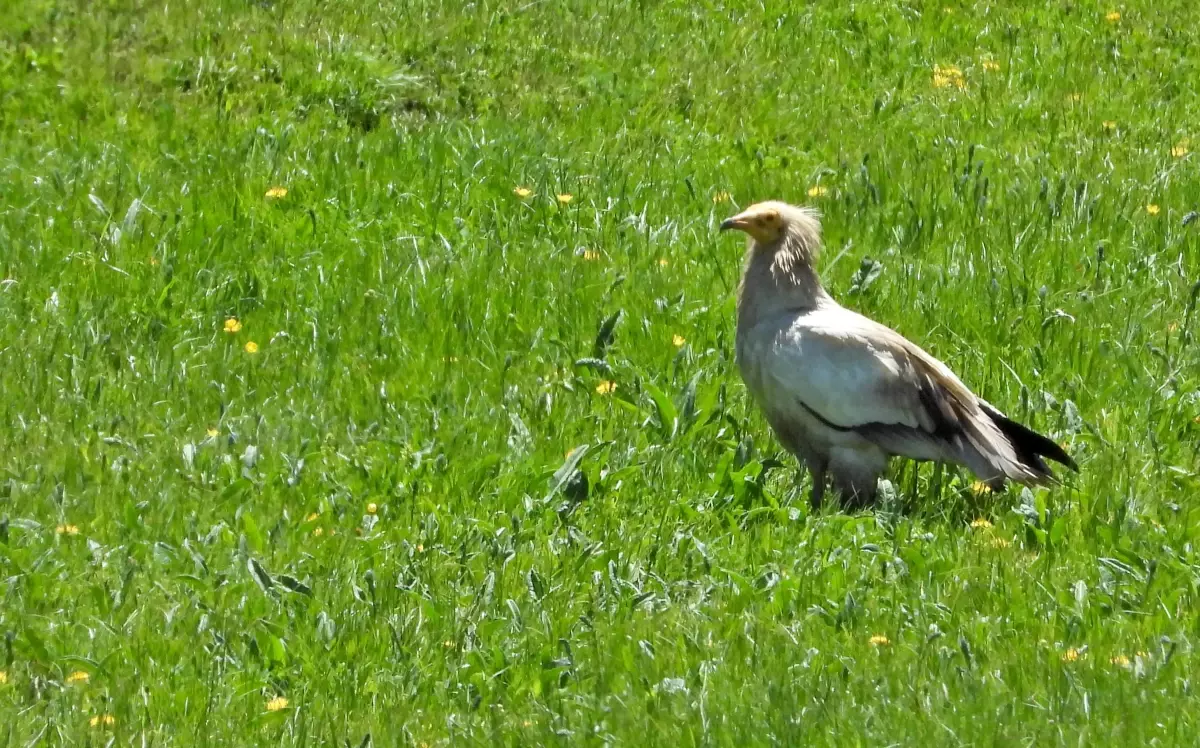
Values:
[(1029, 447)]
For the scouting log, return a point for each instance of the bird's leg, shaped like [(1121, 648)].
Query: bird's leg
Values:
[(818, 488)]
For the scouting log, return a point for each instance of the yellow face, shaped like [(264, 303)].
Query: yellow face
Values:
[(762, 222)]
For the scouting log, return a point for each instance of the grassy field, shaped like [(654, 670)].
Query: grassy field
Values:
[(367, 373)]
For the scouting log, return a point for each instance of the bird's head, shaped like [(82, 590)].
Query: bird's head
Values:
[(775, 225)]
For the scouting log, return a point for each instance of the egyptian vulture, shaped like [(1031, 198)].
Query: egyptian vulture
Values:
[(844, 393)]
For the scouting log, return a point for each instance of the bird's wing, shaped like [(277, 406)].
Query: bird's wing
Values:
[(855, 374)]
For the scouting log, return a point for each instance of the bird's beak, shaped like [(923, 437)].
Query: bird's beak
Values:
[(740, 222)]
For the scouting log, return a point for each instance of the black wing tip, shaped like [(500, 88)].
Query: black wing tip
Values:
[(1032, 446)]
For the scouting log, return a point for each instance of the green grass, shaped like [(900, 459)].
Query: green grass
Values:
[(424, 336)]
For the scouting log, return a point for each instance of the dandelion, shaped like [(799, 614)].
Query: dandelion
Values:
[(1112, 16), (277, 703), (1182, 148), (1109, 125), (212, 432), (949, 75), (1152, 209), (979, 488), (79, 676), (102, 720), (678, 341), (372, 508), (1073, 655), (232, 325), (522, 192), (590, 255), (564, 198), (448, 644), (420, 548), (67, 529), (991, 66), (251, 347), (3, 677), (720, 197), (981, 524), (312, 517), (1121, 661), (318, 532), (276, 192), (818, 190), (1000, 543), (662, 262), (879, 640), (607, 387)]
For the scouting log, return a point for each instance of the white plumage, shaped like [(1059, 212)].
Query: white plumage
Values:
[(844, 393)]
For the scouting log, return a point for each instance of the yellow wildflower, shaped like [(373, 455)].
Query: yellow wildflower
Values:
[(372, 508), (1152, 209), (1121, 661), (1000, 543), (1073, 655), (522, 192), (212, 432), (678, 341), (3, 677), (818, 190), (1112, 16), (1074, 98), (1182, 148), (1108, 124), (232, 325), (979, 488), (251, 347), (318, 532), (67, 529), (565, 198), (277, 703), (981, 524), (991, 66), (590, 255), (662, 262), (720, 197), (420, 548), (79, 676), (276, 192), (102, 720), (153, 261), (879, 640), (312, 517), (448, 644), (607, 387), (948, 75)]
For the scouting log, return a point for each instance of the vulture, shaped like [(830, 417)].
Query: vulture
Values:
[(843, 393)]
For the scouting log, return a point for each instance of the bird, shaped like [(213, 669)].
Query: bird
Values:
[(844, 393)]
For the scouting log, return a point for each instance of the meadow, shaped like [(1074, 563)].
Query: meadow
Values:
[(367, 372)]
